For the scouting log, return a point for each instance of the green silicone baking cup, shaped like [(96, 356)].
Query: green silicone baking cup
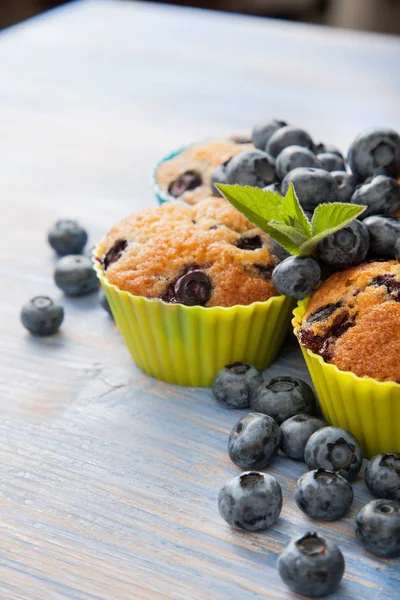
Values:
[(368, 408), (188, 345)]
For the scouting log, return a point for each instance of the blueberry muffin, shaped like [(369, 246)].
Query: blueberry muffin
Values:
[(207, 254), (188, 175), (353, 321)]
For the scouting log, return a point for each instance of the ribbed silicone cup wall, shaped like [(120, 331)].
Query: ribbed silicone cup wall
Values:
[(188, 345), (368, 408)]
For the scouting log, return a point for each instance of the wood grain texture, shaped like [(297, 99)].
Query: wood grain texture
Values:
[(109, 479)]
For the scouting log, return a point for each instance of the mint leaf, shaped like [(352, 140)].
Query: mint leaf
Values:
[(291, 238), (293, 214), (283, 219), (257, 205), (285, 240), (327, 219)]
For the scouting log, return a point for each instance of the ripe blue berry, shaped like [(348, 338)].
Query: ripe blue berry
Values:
[(346, 185), (312, 186), (334, 449), (218, 176), (331, 161), (42, 316), (278, 250), (235, 383), (67, 237), (383, 233), (75, 275), (378, 527), (254, 441), (382, 476), (347, 247), (323, 147), (282, 398), (296, 276), (296, 431), (251, 167), (251, 501), (324, 495), (381, 196), (288, 136), (293, 157), (189, 180), (375, 151), (311, 565), (262, 132)]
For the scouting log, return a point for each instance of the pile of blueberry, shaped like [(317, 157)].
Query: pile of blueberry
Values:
[(74, 275), (283, 418), (286, 154)]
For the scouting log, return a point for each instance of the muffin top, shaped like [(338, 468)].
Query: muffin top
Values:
[(353, 321), (187, 176), (207, 254)]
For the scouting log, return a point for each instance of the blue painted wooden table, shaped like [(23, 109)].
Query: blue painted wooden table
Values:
[(109, 479)]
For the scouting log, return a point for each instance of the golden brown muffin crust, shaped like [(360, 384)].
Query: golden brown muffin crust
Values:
[(353, 320), (201, 158), (165, 242)]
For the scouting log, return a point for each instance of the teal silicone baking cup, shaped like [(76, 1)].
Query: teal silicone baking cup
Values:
[(163, 195)]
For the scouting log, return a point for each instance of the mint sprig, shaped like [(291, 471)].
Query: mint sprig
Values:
[(283, 219)]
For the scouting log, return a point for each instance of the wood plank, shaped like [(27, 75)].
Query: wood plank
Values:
[(109, 478)]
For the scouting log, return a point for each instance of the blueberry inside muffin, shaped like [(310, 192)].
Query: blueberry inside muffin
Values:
[(207, 254), (353, 321)]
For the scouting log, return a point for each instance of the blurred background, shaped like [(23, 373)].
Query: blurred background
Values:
[(368, 15)]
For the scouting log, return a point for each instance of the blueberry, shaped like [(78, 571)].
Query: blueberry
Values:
[(324, 495), (292, 157), (193, 288), (384, 233), (75, 275), (218, 176), (378, 527), (104, 303), (375, 151), (278, 250), (189, 180), (283, 397), (311, 565), (296, 276), (114, 253), (42, 316), (397, 249), (322, 148), (382, 476), (296, 432), (346, 185), (331, 161), (381, 196), (235, 383), (67, 237), (262, 132), (347, 247), (254, 441), (312, 186), (334, 449), (250, 501), (253, 242), (251, 167), (288, 136)]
